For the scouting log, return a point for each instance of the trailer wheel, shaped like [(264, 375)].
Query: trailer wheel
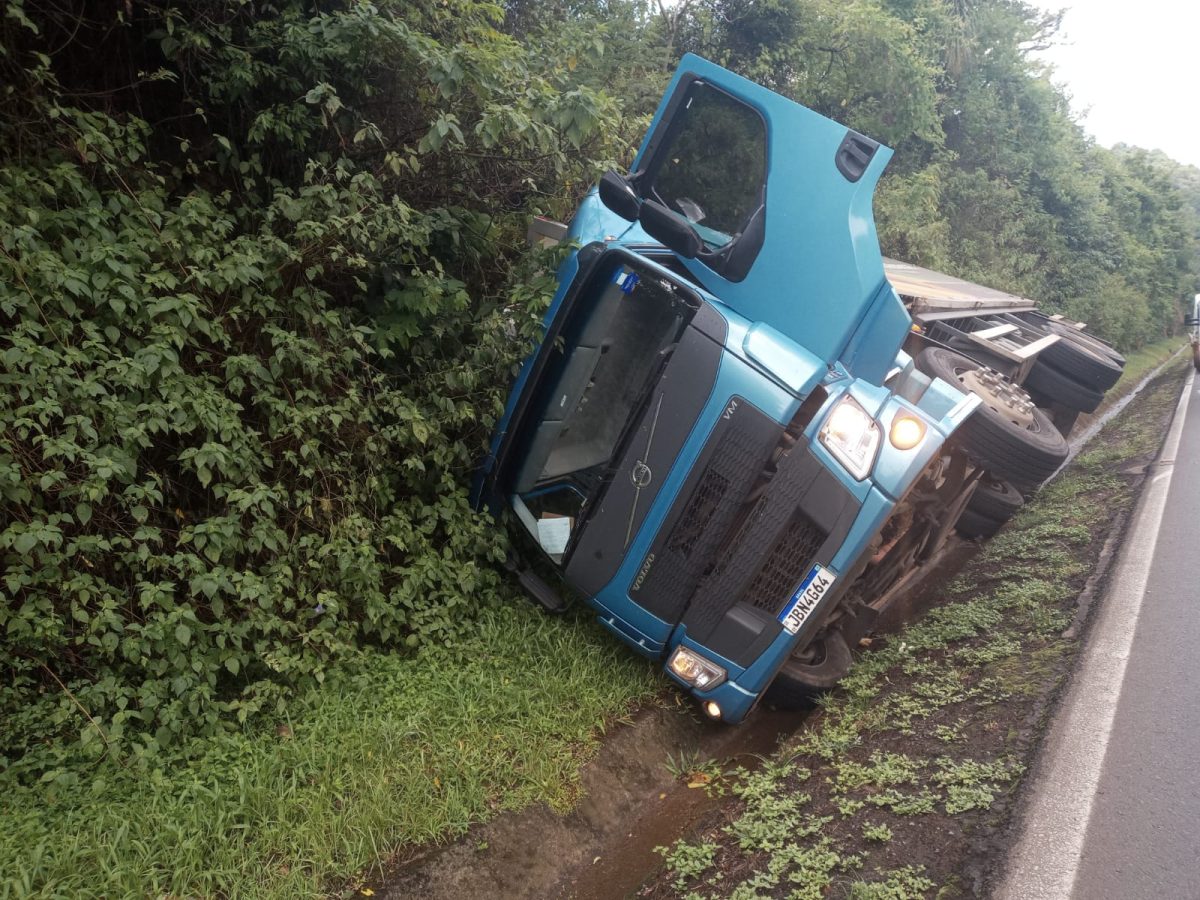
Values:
[(1088, 366), (803, 679), (1088, 340), (974, 526), (1056, 387), (1010, 436)]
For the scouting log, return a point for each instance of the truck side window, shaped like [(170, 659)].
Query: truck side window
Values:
[(713, 167)]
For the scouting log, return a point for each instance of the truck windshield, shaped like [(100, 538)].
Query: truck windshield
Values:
[(607, 364)]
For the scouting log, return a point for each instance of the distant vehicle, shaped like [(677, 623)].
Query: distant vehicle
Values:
[(736, 439), (1193, 326)]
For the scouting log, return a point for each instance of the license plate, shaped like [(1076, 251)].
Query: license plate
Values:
[(815, 586)]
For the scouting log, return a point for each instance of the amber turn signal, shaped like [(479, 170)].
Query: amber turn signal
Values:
[(906, 432)]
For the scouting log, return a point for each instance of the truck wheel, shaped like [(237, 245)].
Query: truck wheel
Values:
[(1010, 436), (1090, 367), (804, 678), (974, 526), (1056, 387), (1088, 340), (995, 499)]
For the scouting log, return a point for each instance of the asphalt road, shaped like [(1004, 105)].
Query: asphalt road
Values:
[(1114, 808), (1143, 835)]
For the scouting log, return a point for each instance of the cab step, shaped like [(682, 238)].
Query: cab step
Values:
[(537, 589)]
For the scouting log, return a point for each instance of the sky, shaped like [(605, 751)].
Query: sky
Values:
[(1134, 67)]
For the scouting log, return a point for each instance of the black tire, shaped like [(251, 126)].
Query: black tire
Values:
[(1025, 455), (798, 684), (1088, 340), (974, 526), (1054, 386), (1084, 364), (995, 499)]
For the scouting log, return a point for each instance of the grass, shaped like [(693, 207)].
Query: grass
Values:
[(1140, 363), (413, 751), (927, 739)]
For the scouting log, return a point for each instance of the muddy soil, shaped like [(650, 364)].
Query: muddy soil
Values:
[(632, 789)]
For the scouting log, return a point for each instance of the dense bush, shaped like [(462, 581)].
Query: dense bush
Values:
[(255, 322)]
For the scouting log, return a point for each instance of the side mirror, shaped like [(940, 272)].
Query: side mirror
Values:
[(673, 230), (618, 195)]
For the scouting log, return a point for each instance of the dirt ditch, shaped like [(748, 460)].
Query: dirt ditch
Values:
[(632, 796), (651, 786)]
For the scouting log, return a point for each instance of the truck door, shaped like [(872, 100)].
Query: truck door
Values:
[(766, 203)]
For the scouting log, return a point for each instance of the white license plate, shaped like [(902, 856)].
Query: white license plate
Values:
[(814, 587)]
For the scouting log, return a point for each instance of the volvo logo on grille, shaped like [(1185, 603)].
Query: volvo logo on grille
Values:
[(641, 475)]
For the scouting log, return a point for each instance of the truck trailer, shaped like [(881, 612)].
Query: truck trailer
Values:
[(743, 429)]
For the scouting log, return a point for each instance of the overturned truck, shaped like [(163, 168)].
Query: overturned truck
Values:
[(743, 430)]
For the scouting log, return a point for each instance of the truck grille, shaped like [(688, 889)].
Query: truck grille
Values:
[(775, 544), (692, 538), (701, 508), (788, 562)]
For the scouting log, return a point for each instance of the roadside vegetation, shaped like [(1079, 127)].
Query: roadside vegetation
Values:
[(262, 293), (901, 784), (1138, 364), (405, 751)]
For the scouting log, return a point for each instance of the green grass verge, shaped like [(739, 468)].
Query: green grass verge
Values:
[(891, 791), (414, 750), (1140, 363)]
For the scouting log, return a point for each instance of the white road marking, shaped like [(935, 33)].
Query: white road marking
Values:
[(1045, 862)]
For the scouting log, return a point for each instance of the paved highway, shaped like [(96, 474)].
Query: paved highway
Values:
[(1115, 802)]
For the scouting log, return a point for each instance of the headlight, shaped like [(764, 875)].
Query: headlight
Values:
[(852, 436), (695, 669)]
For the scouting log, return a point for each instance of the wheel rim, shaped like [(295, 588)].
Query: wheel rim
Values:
[(812, 656), (994, 484), (1007, 400)]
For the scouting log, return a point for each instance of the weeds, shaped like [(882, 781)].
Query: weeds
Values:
[(907, 883), (879, 834), (684, 764), (687, 861)]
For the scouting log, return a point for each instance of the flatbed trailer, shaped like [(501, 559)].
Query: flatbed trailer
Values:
[(1070, 368)]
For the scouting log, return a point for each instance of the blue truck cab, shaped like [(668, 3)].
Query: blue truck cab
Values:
[(720, 422)]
